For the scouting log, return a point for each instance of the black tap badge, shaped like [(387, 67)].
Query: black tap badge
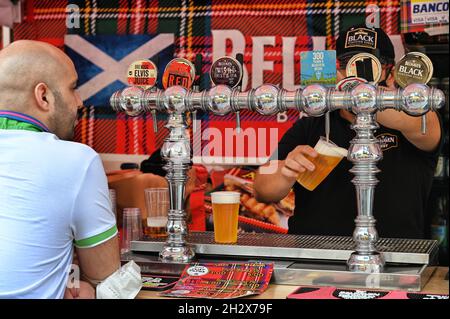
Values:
[(414, 67), (361, 37), (226, 70), (142, 73), (179, 72)]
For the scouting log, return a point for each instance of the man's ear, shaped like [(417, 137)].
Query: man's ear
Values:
[(43, 96), (390, 80)]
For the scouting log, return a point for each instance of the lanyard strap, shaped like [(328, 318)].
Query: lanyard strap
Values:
[(21, 121)]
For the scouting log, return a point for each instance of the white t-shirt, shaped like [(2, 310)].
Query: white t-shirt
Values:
[(53, 194)]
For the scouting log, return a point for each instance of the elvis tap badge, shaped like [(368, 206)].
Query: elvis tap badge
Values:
[(143, 74)]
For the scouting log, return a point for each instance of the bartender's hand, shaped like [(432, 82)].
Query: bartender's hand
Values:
[(296, 162), (86, 291), (274, 180)]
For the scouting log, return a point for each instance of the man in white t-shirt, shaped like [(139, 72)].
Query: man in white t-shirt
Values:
[(53, 193)]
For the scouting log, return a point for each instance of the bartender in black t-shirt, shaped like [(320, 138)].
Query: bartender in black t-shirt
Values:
[(407, 167)]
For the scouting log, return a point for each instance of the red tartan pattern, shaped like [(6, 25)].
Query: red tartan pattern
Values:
[(45, 20)]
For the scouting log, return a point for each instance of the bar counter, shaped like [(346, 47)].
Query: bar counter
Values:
[(436, 285)]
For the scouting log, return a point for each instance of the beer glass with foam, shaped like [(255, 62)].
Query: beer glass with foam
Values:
[(329, 156), (225, 206), (157, 204)]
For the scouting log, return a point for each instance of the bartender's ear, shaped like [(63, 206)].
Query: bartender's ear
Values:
[(43, 97), (390, 79)]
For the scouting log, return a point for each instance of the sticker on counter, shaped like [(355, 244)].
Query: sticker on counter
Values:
[(158, 282), (197, 271)]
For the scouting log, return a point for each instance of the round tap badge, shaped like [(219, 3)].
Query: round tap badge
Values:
[(366, 66), (226, 70), (142, 73), (414, 67), (178, 72)]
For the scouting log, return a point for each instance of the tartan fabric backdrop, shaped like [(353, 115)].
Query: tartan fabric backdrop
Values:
[(193, 24)]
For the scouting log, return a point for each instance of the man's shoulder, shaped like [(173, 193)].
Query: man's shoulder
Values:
[(67, 150)]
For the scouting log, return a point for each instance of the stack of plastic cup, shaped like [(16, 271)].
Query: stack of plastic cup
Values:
[(132, 227)]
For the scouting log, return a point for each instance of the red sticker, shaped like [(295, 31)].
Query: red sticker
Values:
[(179, 72)]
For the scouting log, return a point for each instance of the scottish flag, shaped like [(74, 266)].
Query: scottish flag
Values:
[(102, 61)]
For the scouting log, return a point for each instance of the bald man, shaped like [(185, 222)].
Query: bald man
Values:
[(54, 196)]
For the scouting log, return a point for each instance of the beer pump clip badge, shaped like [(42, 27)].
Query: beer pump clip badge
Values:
[(180, 72), (414, 67), (143, 74), (226, 70), (318, 67), (366, 66)]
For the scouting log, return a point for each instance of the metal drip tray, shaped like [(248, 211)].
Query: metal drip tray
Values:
[(403, 277), (262, 245)]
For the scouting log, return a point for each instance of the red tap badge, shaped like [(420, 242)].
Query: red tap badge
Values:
[(179, 72), (142, 73)]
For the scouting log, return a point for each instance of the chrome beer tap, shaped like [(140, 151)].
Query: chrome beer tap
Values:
[(365, 100)]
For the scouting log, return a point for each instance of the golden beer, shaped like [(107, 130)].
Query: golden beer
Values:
[(329, 156), (156, 227), (157, 204), (225, 206)]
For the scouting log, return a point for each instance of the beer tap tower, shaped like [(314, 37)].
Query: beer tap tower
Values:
[(365, 100)]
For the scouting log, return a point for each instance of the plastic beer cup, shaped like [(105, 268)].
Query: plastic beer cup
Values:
[(329, 156), (225, 206)]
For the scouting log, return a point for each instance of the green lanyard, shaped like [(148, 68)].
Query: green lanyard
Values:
[(10, 120)]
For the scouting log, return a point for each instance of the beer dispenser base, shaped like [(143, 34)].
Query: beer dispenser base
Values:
[(303, 260)]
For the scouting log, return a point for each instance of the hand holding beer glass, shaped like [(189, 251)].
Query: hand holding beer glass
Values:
[(225, 206), (313, 166)]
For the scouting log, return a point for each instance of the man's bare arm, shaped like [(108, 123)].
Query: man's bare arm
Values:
[(411, 128), (99, 262)]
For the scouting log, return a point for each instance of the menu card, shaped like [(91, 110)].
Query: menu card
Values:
[(221, 280)]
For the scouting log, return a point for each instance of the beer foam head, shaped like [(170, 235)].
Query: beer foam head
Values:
[(329, 149), (225, 198)]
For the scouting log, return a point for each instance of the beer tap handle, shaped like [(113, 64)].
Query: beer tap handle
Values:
[(238, 122), (196, 87), (423, 125), (240, 58), (155, 121), (154, 89)]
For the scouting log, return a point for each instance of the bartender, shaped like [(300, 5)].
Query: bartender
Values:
[(407, 167)]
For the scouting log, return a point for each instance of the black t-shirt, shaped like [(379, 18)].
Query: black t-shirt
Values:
[(400, 196)]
